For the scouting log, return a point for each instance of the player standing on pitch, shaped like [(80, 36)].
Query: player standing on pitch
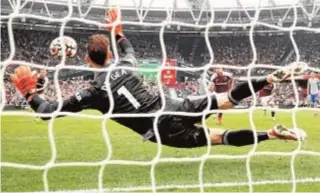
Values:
[(130, 96), (313, 90), (266, 95), (222, 82)]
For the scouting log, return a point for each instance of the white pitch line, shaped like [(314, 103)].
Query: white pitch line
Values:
[(14, 121), (27, 138), (188, 186)]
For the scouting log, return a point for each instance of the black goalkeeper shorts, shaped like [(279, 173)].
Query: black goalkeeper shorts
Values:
[(180, 131)]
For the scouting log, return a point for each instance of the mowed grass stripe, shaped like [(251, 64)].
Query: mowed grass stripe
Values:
[(82, 140)]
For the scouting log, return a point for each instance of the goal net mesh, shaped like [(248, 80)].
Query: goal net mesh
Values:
[(197, 9)]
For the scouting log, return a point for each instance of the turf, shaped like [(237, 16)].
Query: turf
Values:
[(25, 141)]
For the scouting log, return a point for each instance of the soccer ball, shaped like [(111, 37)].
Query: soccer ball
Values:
[(70, 47)]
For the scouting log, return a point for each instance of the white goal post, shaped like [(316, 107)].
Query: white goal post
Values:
[(203, 17)]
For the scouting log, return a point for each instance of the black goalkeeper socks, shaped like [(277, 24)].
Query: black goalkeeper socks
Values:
[(273, 113), (242, 91), (242, 137)]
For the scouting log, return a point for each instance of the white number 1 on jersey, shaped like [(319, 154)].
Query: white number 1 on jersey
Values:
[(124, 91)]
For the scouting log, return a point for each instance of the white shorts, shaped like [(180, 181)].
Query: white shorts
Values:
[(265, 101)]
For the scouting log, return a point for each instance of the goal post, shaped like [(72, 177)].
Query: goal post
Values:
[(202, 15)]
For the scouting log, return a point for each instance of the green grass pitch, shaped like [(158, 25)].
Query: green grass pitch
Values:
[(25, 141)]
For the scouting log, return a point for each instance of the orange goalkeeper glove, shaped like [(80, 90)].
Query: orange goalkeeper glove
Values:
[(24, 80), (113, 14)]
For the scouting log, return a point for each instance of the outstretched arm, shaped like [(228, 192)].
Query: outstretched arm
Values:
[(78, 102), (125, 45), (25, 82)]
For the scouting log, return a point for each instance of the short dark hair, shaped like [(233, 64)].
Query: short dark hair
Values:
[(98, 47)]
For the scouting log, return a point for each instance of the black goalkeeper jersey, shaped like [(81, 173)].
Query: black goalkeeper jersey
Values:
[(129, 95)]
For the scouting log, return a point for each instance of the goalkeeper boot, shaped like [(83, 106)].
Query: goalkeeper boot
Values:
[(286, 72), (281, 132)]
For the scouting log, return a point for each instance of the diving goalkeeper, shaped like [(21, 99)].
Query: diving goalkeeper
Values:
[(130, 96)]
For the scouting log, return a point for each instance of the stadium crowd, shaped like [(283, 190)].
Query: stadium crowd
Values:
[(284, 94), (33, 46), (234, 50)]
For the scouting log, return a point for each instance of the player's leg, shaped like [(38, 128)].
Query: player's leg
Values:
[(273, 112), (180, 131), (273, 115), (311, 100), (220, 118), (180, 134), (246, 136), (316, 105), (243, 90), (264, 105), (314, 102), (240, 92), (224, 100)]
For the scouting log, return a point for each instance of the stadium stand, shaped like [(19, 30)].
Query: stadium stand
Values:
[(233, 50)]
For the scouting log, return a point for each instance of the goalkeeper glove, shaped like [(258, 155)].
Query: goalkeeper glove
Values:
[(113, 14), (24, 80)]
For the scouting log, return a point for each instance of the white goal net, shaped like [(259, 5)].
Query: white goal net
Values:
[(207, 18)]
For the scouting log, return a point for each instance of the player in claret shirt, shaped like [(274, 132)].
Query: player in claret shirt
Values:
[(130, 96), (222, 82)]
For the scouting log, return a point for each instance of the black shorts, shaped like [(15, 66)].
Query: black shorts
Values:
[(180, 131)]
